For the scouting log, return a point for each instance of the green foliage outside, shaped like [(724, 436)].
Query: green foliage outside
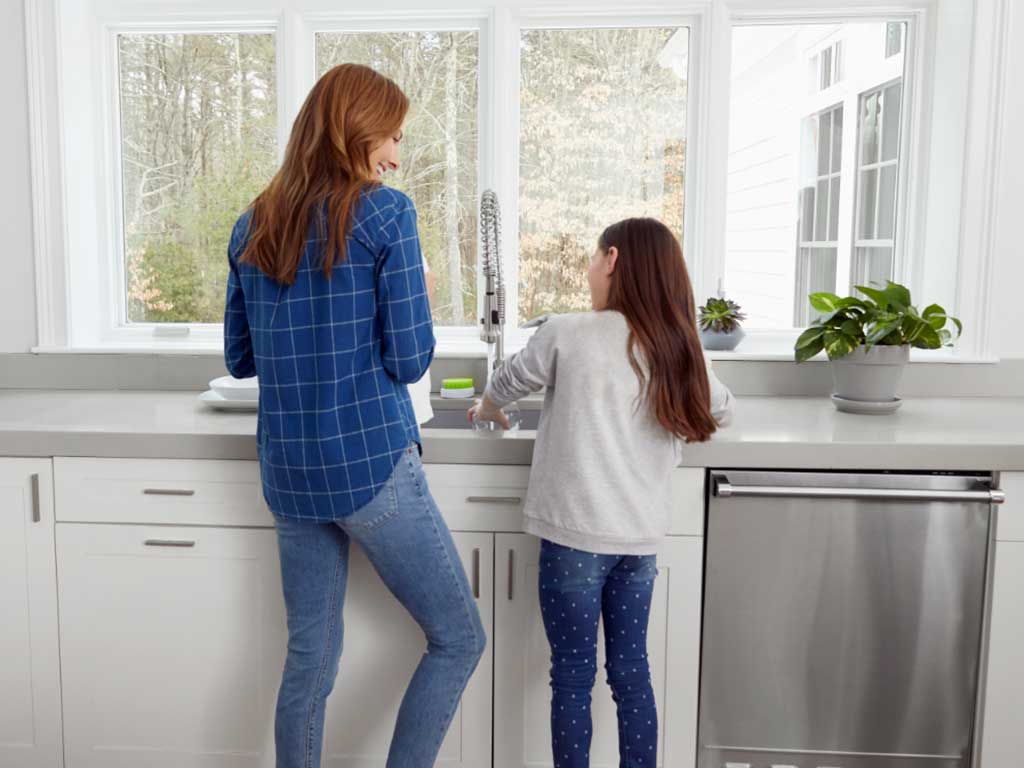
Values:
[(199, 142)]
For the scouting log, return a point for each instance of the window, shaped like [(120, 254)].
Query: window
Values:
[(827, 67), (877, 172), (894, 32), (811, 192), (198, 141), (602, 136), (821, 159), (438, 166), (796, 161)]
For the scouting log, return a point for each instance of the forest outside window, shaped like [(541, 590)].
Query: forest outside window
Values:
[(198, 141)]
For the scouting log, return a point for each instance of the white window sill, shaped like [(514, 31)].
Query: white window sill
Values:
[(467, 350)]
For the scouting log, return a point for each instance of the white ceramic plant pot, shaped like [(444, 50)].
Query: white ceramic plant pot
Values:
[(870, 375), (718, 341)]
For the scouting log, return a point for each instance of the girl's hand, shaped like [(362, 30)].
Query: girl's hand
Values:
[(485, 410)]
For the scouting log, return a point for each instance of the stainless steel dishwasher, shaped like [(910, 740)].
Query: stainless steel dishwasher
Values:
[(843, 619)]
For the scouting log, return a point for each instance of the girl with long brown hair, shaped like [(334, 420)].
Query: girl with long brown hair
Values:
[(327, 304), (627, 388)]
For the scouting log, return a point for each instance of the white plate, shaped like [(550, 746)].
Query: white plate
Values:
[(231, 388), (220, 403), (871, 407)]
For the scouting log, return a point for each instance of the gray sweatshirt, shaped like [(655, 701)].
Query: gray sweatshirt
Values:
[(602, 463)]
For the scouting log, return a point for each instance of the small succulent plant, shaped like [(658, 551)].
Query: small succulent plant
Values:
[(720, 316)]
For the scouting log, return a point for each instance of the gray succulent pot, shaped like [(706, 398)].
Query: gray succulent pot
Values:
[(871, 375), (718, 341)]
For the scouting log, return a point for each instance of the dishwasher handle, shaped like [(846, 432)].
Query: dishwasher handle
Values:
[(722, 488)]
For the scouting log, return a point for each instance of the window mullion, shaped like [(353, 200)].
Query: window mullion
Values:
[(505, 163)]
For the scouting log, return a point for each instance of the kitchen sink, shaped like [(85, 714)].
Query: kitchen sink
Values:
[(457, 420)]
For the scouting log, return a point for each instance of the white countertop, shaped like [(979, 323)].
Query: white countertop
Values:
[(775, 432)]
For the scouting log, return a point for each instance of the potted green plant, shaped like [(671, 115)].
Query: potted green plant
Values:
[(719, 323), (868, 342)]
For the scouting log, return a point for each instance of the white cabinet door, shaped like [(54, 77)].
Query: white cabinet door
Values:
[(382, 646), (1003, 729), (522, 735), (29, 668), (172, 645)]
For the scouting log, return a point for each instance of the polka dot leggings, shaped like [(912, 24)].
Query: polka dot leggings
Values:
[(576, 588)]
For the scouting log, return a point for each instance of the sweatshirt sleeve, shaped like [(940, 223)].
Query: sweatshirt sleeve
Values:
[(723, 404), (529, 370)]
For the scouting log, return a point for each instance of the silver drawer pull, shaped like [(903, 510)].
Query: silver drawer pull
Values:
[(511, 574), (722, 488), (36, 511), (476, 573), (184, 543), (168, 492), (494, 500)]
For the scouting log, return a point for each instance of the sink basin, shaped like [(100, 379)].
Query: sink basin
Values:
[(457, 420)]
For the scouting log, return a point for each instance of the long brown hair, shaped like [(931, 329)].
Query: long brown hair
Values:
[(651, 287), (350, 110)]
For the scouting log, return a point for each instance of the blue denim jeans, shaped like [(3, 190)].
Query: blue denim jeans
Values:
[(575, 589), (408, 543)]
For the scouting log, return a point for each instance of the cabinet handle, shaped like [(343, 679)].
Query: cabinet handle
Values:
[(511, 574), (476, 573), (494, 499), (168, 492), (37, 515), (169, 543)]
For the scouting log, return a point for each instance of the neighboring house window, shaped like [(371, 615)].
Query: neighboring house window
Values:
[(198, 141), (894, 32), (827, 66), (602, 136), (794, 224), (818, 226), (438, 161), (877, 174)]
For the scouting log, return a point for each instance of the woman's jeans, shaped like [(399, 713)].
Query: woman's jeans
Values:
[(575, 589), (403, 535)]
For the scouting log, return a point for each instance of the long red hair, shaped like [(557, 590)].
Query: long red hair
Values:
[(349, 111), (651, 287)]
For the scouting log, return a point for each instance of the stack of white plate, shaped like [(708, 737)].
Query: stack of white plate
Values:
[(230, 394)]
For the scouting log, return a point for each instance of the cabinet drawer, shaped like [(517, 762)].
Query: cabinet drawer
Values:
[(686, 515), (479, 497), (159, 491)]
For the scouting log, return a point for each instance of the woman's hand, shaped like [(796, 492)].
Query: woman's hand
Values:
[(485, 410)]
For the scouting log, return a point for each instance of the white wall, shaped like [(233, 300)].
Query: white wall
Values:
[(1009, 256), (18, 306)]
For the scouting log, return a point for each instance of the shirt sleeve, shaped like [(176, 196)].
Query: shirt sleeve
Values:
[(529, 370), (238, 355), (406, 325), (723, 403)]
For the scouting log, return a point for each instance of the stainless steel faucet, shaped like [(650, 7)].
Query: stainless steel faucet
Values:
[(492, 323)]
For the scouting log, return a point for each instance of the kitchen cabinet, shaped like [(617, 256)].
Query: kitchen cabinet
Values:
[(30, 716), (522, 735)]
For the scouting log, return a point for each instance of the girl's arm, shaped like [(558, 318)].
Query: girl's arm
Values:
[(529, 370), (722, 401)]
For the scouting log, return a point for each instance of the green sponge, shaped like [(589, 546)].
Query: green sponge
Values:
[(457, 388)]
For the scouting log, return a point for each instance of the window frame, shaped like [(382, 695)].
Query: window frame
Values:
[(62, 290), (115, 328), (531, 19), (452, 341)]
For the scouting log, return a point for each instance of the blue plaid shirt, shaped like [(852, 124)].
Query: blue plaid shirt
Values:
[(333, 359)]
